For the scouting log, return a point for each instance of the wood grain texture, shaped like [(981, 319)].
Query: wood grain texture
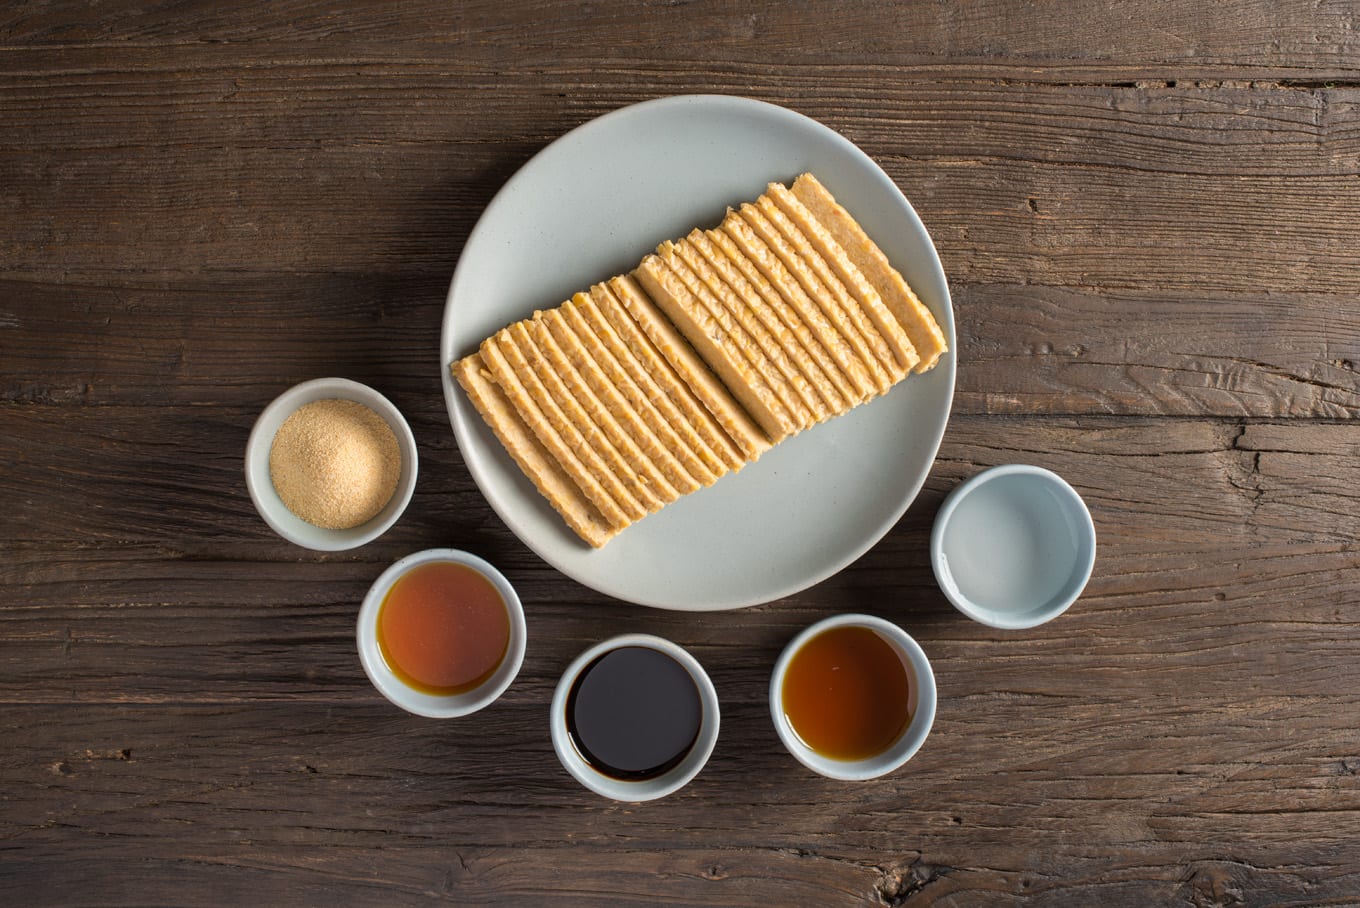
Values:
[(1026, 349), (1146, 212), (1295, 37), (1018, 185), (1175, 732)]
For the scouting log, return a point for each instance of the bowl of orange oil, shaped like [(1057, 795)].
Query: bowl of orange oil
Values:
[(852, 697), (441, 633)]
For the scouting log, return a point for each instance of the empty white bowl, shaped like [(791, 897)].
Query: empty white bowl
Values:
[(1013, 546), (921, 702), (271, 506), (635, 789), (421, 703)]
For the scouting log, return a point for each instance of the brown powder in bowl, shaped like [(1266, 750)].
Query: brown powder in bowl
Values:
[(335, 463)]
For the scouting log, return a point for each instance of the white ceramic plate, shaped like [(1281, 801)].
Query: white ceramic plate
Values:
[(590, 206)]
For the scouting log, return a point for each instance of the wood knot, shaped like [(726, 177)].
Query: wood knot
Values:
[(1214, 886), (901, 881)]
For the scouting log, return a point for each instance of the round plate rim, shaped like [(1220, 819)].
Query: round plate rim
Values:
[(460, 411)]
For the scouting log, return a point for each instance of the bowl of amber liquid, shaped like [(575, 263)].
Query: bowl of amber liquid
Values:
[(853, 697), (441, 633)]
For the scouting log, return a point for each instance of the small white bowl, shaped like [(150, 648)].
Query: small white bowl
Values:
[(267, 500), (1013, 546), (921, 702), (641, 789), (435, 706)]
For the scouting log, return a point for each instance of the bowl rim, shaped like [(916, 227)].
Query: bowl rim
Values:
[(434, 706), (634, 791), (266, 500), (911, 739), (1074, 505)]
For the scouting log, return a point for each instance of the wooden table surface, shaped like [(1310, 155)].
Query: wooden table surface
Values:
[(1148, 215)]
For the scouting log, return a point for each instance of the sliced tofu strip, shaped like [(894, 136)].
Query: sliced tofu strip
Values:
[(846, 272), (596, 425), (528, 452), (547, 392), (794, 389), (599, 394), (513, 389), (920, 325), (824, 323), (736, 332), (749, 283), (726, 352), (818, 281), (606, 319), (739, 425), (677, 417)]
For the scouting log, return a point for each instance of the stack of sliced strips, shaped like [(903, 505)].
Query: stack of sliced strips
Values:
[(655, 384)]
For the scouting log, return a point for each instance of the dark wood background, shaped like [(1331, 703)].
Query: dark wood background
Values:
[(1148, 213)]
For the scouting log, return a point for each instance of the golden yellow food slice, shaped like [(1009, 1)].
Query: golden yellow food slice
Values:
[(749, 283), (725, 352), (507, 378), (599, 390), (597, 425), (801, 262), (568, 415), (825, 323), (920, 325), (669, 395), (783, 373), (524, 448), (739, 425), (778, 198), (738, 294)]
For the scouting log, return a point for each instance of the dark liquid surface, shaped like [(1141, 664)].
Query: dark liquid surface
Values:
[(634, 713)]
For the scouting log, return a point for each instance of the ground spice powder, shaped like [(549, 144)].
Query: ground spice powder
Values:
[(335, 463)]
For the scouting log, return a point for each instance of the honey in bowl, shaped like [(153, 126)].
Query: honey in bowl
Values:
[(443, 628), (847, 693)]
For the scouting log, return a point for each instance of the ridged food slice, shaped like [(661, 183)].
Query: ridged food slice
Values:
[(524, 448), (597, 425), (508, 380), (749, 283), (669, 406), (562, 407), (738, 327), (920, 325), (805, 264), (563, 413), (739, 425), (824, 323), (794, 389), (727, 350), (655, 375), (846, 272), (598, 389)]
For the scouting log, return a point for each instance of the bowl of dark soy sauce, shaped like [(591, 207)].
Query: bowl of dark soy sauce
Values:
[(634, 718)]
